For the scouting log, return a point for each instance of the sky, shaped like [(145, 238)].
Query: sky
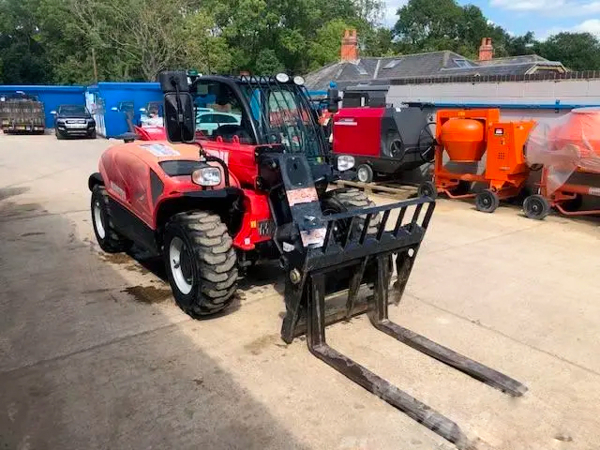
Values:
[(543, 17)]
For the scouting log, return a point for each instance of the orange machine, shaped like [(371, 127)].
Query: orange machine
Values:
[(570, 146), (466, 136)]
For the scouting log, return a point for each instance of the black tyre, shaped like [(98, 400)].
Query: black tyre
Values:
[(364, 173), (343, 200), (536, 207), (487, 201), (346, 199), (427, 189), (93, 135), (58, 135), (201, 262), (106, 235)]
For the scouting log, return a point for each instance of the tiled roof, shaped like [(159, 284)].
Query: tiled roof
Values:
[(443, 63)]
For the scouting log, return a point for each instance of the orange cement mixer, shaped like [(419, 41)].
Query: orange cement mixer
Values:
[(466, 136), (463, 139), (571, 144)]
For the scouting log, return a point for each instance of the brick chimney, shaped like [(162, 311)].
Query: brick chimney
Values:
[(486, 50), (349, 46)]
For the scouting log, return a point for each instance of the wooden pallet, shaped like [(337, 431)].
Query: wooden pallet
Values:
[(387, 189)]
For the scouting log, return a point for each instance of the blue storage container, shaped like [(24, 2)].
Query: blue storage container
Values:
[(105, 98), (51, 96)]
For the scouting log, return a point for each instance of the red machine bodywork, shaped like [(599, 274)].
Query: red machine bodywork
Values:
[(126, 172), (357, 132), (150, 133), (389, 140)]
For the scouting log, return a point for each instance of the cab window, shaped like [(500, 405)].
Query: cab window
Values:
[(219, 114)]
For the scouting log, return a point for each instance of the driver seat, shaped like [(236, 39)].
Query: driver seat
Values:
[(227, 132)]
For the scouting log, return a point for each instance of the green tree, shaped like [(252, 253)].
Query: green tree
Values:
[(325, 48), (521, 45), (24, 59), (267, 63), (577, 51), (429, 25), (205, 48)]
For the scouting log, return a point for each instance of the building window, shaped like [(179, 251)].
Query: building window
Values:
[(393, 63), (462, 63)]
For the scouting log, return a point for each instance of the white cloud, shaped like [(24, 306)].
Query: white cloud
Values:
[(587, 26), (562, 8)]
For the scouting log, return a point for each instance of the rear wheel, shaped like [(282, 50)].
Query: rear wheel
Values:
[(536, 207), (109, 240), (427, 189), (201, 262), (364, 173)]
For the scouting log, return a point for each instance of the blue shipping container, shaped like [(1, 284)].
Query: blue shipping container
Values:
[(51, 96), (105, 98)]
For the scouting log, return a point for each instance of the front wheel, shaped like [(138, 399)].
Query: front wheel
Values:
[(109, 240), (364, 173), (201, 262), (487, 201)]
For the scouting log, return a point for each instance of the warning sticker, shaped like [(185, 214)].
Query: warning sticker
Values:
[(160, 149), (314, 237), (305, 195)]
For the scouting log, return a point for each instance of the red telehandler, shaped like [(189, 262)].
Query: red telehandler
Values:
[(257, 189)]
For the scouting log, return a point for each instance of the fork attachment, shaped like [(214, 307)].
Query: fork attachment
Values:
[(318, 259)]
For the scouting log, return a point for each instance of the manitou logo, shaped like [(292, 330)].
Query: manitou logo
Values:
[(221, 154)]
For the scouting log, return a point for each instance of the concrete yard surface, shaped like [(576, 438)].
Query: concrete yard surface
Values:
[(94, 353)]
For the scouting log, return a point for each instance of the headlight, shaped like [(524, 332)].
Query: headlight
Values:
[(299, 80), (345, 162), (207, 176), (282, 77)]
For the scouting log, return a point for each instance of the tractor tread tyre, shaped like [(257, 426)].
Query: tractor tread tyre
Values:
[(214, 262), (112, 241), (351, 199)]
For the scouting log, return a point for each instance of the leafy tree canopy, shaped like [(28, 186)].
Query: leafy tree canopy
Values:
[(82, 41)]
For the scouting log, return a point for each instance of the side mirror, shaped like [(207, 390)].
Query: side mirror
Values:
[(53, 113), (142, 110), (333, 99), (179, 117), (114, 108)]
